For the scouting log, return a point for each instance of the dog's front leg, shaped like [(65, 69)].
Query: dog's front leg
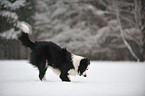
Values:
[(64, 73), (64, 77)]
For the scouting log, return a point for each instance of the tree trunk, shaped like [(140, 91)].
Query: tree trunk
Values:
[(143, 29), (122, 32)]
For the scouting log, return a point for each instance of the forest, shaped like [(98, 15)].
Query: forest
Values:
[(97, 29)]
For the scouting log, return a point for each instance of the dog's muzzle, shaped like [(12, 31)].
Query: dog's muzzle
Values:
[(84, 74)]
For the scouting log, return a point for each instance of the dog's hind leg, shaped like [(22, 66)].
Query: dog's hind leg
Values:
[(42, 69), (43, 75)]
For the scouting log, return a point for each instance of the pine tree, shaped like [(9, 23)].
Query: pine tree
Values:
[(12, 14)]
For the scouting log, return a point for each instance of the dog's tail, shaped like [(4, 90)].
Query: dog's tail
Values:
[(23, 37)]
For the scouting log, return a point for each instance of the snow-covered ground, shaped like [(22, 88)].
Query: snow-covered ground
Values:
[(18, 78)]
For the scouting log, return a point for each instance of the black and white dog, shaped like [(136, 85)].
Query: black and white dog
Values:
[(48, 54)]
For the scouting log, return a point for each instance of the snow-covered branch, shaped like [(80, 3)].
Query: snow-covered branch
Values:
[(122, 32), (12, 6)]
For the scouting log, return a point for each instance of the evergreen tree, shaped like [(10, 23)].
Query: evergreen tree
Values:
[(12, 14)]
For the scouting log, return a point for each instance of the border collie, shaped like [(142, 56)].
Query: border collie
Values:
[(49, 55)]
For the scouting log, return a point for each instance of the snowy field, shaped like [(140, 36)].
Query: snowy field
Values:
[(18, 78)]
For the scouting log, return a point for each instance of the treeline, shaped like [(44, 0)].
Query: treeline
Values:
[(98, 29)]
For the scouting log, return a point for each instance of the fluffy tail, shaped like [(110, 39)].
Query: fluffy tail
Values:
[(24, 36)]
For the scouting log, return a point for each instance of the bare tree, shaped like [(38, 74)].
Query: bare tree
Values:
[(115, 4), (130, 15)]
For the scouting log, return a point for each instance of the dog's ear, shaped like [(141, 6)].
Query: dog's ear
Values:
[(83, 65), (64, 49), (64, 52)]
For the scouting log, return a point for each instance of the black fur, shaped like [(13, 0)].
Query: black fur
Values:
[(25, 40), (44, 54)]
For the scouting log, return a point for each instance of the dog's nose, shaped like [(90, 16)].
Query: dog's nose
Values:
[(85, 75)]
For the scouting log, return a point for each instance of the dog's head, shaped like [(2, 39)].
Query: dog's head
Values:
[(83, 67)]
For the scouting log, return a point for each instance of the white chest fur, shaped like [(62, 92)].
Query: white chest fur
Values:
[(76, 61)]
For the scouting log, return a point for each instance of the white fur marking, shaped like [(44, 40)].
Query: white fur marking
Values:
[(72, 72), (76, 61), (84, 73), (25, 28)]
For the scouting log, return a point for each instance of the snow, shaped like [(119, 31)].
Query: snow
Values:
[(13, 6), (11, 17), (10, 34), (9, 14), (19, 78)]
